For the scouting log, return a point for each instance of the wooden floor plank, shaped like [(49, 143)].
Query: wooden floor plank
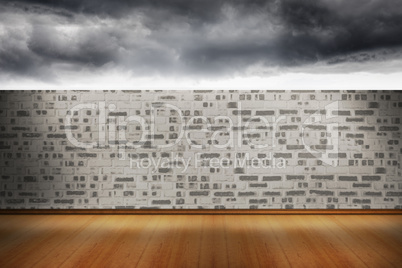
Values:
[(200, 241)]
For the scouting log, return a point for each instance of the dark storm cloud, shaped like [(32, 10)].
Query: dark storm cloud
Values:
[(204, 10), (351, 25), (315, 30), (91, 47), (194, 37)]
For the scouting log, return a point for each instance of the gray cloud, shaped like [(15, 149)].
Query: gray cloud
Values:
[(90, 47), (200, 38)]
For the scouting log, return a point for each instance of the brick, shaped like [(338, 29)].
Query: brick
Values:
[(223, 194), (232, 105), (366, 128), (348, 178), (380, 170), (295, 177), (373, 105), (117, 113), (247, 194), (258, 201), (22, 113), (388, 128), (288, 112), (371, 178), (283, 155), (361, 185), (354, 119), (361, 201), (15, 201), (271, 178), (30, 179), (322, 112), (289, 127), (316, 127), (341, 128), (239, 171), (56, 136), (394, 193), (354, 136), (322, 177), (372, 193), (321, 192), (248, 178), (265, 113), (309, 155), (124, 179), (272, 193), (38, 200), (258, 185), (241, 112), (364, 112), (128, 193), (165, 170), (87, 155), (296, 193), (27, 194), (157, 137), (347, 193), (337, 155), (31, 135), (294, 147), (199, 193), (72, 127), (161, 202), (341, 113), (64, 201), (75, 193), (322, 147), (8, 135)]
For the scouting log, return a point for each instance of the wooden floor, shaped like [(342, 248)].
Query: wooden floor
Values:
[(200, 241)]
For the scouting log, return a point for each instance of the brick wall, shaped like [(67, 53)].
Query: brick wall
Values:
[(200, 149)]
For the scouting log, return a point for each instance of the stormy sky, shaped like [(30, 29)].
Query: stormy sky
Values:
[(85, 43)]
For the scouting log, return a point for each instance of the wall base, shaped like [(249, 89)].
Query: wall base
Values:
[(203, 211)]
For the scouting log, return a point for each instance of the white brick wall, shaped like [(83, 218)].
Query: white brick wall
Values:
[(41, 167)]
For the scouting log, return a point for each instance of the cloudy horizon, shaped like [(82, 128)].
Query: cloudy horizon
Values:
[(177, 43)]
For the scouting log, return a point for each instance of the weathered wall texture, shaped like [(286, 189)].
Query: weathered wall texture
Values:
[(200, 149)]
